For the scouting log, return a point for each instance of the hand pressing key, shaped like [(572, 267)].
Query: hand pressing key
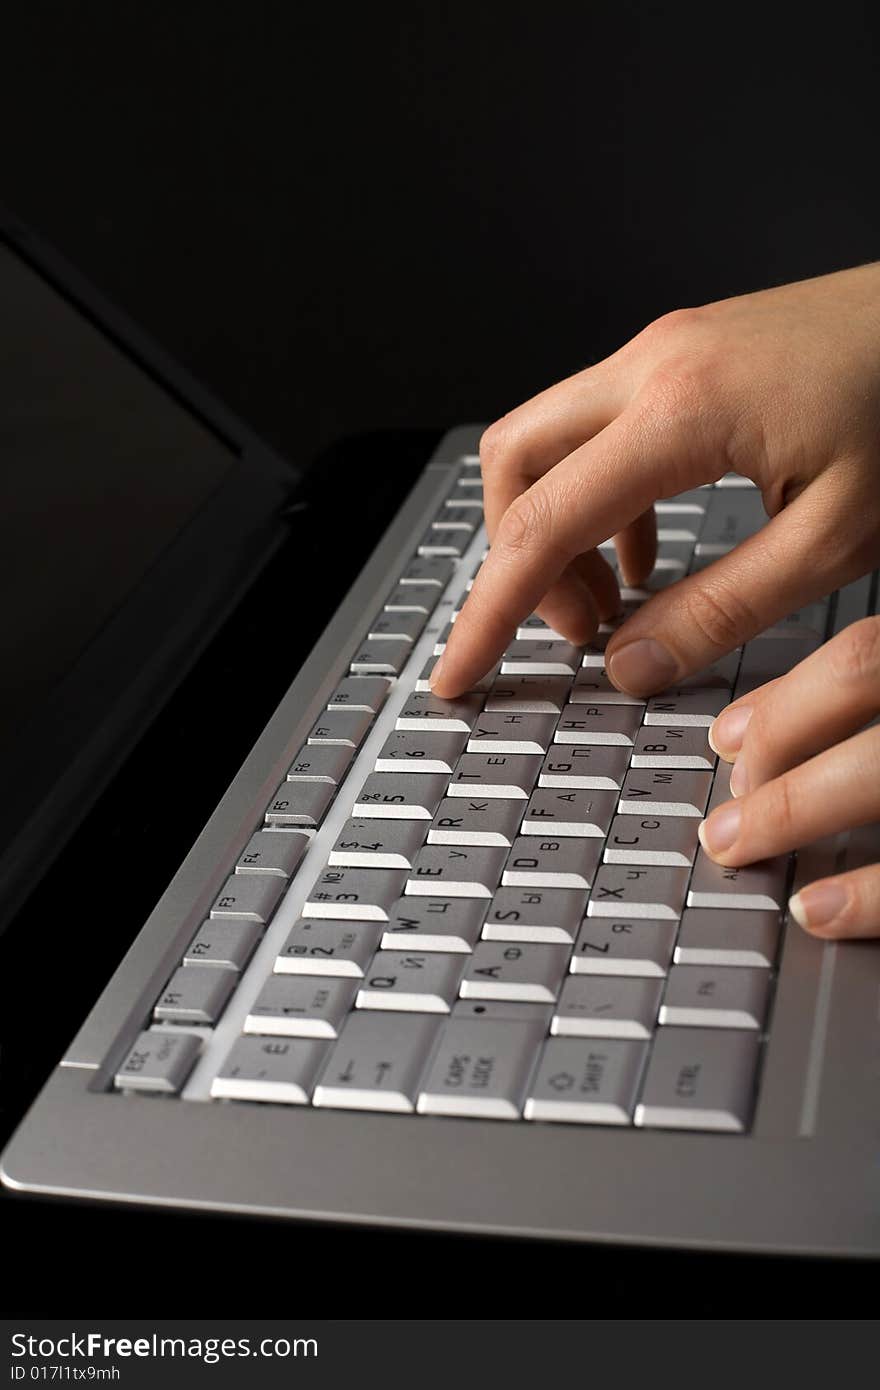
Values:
[(782, 387)]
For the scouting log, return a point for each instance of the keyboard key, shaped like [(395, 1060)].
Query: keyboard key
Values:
[(686, 708), (672, 746), (648, 792), (279, 1070), (528, 695), (586, 1082), (608, 946), (456, 519), (525, 974), (301, 1007), (386, 658), (596, 1006), (543, 915), (434, 924), (575, 812), (629, 892), (540, 659), (534, 629), (693, 503), (328, 948), (427, 711), (401, 795), (507, 775), (318, 763), (592, 768), (378, 1062), (251, 896), (661, 840), (492, 1011), (410, 982), (699, 1078), (467, 494), (377, 844), (396, 626), (481, 1068), (450, 544), (428, 570), (363, 895), (512, 732), (423, 685), (705, 996), (300, 803), (360, 692), (347, 727), (592, 687), (195, 994), (422, 752), (413, 598), (599, 723), (731, 516), (719, 937), (453, 871), (273, 852), (227, 945), (473, 821), (566, 862), (158, 1062), (755, 887), (768, 657)]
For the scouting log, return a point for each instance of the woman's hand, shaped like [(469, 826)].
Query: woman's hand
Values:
[(804, 766), (781, 386)]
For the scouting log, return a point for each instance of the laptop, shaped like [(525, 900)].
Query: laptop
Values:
[(454, 966)]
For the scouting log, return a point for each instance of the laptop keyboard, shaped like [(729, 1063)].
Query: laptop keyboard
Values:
[(497, 906)]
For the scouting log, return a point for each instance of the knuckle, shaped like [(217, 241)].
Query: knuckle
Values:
[(526, 523), (675, 325), (780, 800), (720, 616), (855, 657), (496, 445)]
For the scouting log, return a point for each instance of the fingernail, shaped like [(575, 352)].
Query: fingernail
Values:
[(726, 734), (818, 904), (739, 779), (437, 669), (642, 667), (721, 829)]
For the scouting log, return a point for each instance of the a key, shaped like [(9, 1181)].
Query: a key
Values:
[(377, 844), (720, 787), (511, 732), (412, 982), (481, 1068), (360, 692), (593, 657), (595, 1006), (413, 598), (731, 516), (470, 494), (434, 924), (540, 659), (362, 895), (563, 862), (721, 675), (396, 625), (250, 896), (592, 687), (227, 945), (428, 712), (734, 480), (279, 1070), (528, 695), (654, 792), (451, 544), (612, 946), (534, 629), (378, 1062), (692, 503), (158, 1062), (706, 996), (683, 709), (662, 840), (301, 1006), (577, 813), (721, 937), (524, 974), (456, 871), (386, 658), (481, 686), (620, 891), (811, 620), (700, 1078), (598, 724), (582, 1082), (475, 821), (754, 887), (492, 1011), (195, 994), (590, 767), (319, 763), (421, 752), (341, 726), (538, 915), (273, 852), (508, 775), (300, 804), (456, 519), (424, 569), (672, 746), (330, 948), (768, 657), (401, 795)]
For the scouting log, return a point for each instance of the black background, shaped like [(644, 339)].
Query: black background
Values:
[(346, 216)]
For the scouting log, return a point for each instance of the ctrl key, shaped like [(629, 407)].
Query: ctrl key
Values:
[(158, 1063), (699, 1078)]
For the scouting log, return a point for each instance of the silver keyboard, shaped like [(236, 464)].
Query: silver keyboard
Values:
[(497, 906)]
